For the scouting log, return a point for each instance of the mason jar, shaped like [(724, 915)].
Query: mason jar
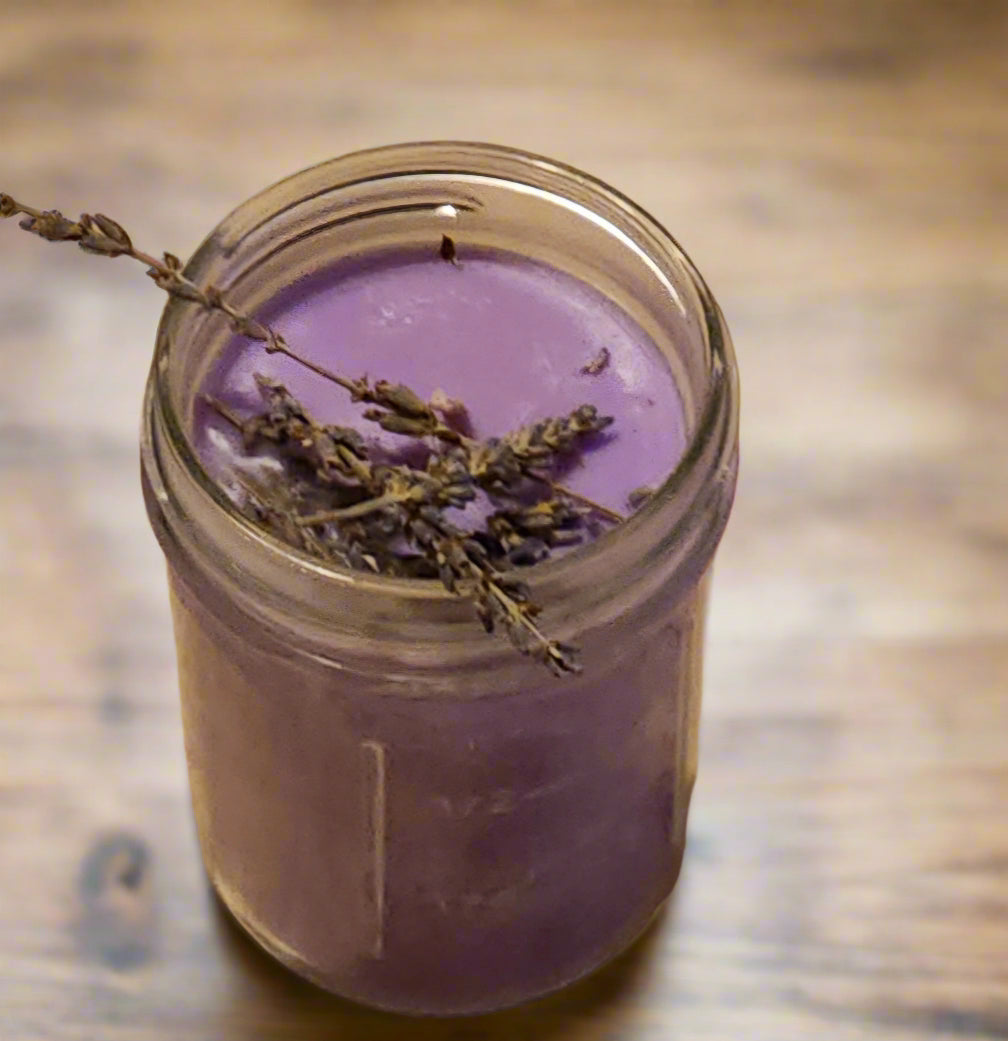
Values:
[(393, 804)]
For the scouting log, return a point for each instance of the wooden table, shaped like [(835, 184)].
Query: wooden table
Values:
[(839, 174)]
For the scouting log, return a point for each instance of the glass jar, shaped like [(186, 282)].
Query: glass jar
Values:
[(393, 804)]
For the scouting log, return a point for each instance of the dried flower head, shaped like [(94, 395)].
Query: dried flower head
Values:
[(598, 364)]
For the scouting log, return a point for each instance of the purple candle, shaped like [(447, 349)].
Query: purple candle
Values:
[(394, 804)]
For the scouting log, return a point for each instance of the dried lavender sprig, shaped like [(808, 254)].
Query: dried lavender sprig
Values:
[(559, 657), (501, 599), (412, 501), (596, 507), (103, 236), (458, 556), (525, 451), (293, 431), (526, 534), (446, 481), (401, 486), (538, 443), (493, 464), (417, 494), (399, 409), (287, 424)]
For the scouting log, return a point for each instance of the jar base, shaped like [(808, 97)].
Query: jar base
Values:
[(289, 959)]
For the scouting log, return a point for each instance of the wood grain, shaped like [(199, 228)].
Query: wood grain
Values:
[(838, 171)]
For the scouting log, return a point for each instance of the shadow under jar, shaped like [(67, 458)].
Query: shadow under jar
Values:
[(392, 803)]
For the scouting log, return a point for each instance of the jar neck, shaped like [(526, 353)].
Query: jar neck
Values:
[(398, 198)]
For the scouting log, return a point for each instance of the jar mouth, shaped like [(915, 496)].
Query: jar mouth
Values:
[(707, 462)]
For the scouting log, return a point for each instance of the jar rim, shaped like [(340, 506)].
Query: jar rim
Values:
[(711, 441)]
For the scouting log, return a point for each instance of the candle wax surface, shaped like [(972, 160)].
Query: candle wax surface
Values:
[(506, 335)]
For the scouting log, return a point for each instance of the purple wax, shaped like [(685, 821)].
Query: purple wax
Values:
[(506, 335)]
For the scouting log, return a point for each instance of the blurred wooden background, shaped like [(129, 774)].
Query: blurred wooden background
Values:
[(840, 174)]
